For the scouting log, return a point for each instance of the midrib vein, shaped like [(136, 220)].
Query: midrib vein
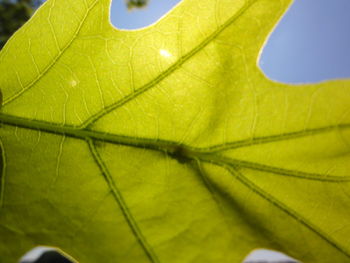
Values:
[(174, 149), (71, 131)]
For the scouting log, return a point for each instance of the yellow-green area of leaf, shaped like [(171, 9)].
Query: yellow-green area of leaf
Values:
[(167, 144)]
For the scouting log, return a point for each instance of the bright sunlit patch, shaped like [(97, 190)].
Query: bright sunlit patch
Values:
[(73, 83), (165, 53)]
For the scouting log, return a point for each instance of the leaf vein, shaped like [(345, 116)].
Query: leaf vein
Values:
[(284, 172), (50, 65), (274, 138), (121, 202), (167, 72), (269, 198), (162, 145)]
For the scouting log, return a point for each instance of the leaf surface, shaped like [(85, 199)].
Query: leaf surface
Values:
[(167, 144)]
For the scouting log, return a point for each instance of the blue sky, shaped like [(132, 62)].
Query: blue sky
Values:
[(311, 43)]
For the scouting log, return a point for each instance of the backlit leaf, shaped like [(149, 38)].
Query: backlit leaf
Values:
[(167, 144)]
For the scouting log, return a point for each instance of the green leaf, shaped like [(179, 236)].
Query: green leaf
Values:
[(167, 144)]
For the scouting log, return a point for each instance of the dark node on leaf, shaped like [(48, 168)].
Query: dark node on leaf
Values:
[(99, 144), (180, 154)]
